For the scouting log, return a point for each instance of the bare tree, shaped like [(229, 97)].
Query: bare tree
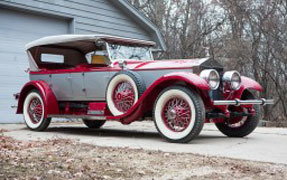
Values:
[(249, 35)]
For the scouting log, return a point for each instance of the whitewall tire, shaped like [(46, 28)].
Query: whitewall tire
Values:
[(33, 112), (123, 92), (241, 126), (179, 114)]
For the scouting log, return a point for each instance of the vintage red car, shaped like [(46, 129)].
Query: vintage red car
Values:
[(99, 78)]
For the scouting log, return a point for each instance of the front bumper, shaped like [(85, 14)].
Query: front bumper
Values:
[(238, 102)]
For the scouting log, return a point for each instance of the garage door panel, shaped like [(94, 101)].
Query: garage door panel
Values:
[(6, 118), (32, 23), (11, 82), (16, 30)]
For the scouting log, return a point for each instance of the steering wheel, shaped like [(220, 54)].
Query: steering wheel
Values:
[(135, 56), (117, 54)]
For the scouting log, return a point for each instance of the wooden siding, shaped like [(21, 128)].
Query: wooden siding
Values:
[(23, 21), (18, 28), (90, 16)]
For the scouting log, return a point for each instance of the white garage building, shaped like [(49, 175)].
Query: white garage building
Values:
[(22, 21)]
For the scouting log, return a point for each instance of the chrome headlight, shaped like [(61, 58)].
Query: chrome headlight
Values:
[(212, 77), (233, 79)]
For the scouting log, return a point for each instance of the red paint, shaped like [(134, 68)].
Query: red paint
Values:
[(246, 84), (131, 65), (143, 104), (49, 99), (162, 64), (98, 106), (78, 69), (123, 96), (176, 114), (35, 110), (187, 77)]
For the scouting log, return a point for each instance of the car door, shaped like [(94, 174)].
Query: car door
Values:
[(79, 90), (61, 85), (96, 82)]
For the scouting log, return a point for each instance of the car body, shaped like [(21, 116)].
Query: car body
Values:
[(99, 78)]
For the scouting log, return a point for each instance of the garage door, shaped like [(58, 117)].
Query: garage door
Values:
[(17, 29)]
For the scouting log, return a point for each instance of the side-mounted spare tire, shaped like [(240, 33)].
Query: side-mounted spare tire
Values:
[(123, 91)]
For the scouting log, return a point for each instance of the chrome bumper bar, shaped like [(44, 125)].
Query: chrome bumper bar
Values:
[(238, 102)]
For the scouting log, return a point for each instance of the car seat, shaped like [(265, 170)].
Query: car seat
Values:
[(98, 60)]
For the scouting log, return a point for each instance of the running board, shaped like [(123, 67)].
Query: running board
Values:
[(100, 118)]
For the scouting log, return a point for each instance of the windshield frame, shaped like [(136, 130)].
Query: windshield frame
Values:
[(114, 60)]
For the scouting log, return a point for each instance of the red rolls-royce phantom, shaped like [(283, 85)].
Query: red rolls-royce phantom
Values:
[(99, 78)]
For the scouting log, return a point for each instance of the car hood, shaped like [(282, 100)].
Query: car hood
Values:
[(170, 64)]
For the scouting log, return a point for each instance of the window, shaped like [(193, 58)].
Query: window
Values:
[(96, 53), (118, 51), (52, 58)]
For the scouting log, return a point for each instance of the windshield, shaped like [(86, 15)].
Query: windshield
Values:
[(117, 52)]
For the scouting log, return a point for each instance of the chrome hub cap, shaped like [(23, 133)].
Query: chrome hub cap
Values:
[(35, 110), (123, 96), (176, 114)]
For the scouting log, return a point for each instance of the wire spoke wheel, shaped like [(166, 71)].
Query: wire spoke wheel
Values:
[(123, 91), (240, 121), (176, 114), (124, 96), (179, 114), (241, 126), (35, 110)]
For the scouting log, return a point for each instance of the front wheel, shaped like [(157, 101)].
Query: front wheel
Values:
[(240, 127), (33, 112), (179, 114)]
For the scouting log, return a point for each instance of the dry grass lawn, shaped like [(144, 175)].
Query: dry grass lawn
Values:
[(67, 159)]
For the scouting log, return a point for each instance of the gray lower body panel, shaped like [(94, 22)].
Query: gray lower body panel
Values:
[(91, 86)]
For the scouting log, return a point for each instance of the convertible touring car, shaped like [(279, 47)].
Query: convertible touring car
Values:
[(99, 78)]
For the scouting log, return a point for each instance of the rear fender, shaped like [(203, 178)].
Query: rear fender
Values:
[(247, 84), (147, 100), (50, 101)]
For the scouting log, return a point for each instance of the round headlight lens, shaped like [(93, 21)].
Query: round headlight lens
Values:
[(236, 81), (212, 77), (233, 79)]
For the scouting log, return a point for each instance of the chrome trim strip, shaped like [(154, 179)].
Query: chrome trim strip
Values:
[(102, 118), (238, 102)]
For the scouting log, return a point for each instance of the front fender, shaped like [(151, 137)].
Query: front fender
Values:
[(147, 100), (189, 78), (49, 99), (247, 84)]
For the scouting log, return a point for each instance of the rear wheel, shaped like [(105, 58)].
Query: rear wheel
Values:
[(243, 126), (179, 114), (33, 112), (93, 124)]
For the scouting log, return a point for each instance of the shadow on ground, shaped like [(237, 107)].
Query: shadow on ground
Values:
[(103, 132), (126, 133)]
